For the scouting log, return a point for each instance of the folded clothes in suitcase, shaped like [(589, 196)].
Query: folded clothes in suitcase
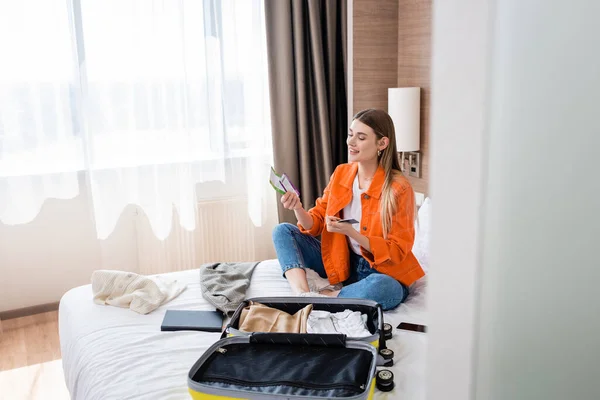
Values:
[(291, 305), (281, 365)]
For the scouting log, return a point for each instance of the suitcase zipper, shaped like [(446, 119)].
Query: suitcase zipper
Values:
[(355, 388)]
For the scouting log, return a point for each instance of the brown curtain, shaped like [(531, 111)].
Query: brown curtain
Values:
[(306, 42)]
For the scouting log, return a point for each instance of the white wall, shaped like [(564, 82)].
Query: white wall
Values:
[(540, 314), (458, 109), (517, 217)]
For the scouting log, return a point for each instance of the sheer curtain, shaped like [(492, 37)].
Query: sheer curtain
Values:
[(148, 97)]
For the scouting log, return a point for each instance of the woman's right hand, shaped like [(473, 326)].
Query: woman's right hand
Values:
[(291, 201)]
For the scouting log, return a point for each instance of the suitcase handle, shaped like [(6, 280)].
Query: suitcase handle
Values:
[(300, 339)]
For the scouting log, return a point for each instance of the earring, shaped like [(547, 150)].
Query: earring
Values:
[(378, 153)]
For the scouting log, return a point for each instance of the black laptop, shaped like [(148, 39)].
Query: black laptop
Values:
[(192, 320)]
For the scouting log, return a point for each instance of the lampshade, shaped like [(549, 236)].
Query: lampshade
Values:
[(404, 105)]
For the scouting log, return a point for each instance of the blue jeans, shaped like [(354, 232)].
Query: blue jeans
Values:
[(297, 250)]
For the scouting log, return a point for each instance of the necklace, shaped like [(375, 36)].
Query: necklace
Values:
[(369, 179)]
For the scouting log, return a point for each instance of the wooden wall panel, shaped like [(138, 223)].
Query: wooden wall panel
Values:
[(375, 52), (414, 62), (392, 48)]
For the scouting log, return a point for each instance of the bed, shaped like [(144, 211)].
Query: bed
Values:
[(113, 353)]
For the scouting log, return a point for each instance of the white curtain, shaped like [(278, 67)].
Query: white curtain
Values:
[(147, 97)]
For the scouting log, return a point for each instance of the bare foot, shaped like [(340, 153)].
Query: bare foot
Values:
[(330, 293), (311, 294)]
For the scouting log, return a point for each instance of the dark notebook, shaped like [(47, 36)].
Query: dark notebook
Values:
[(192, 320)]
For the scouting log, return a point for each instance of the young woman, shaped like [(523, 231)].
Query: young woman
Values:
[(371, 259)]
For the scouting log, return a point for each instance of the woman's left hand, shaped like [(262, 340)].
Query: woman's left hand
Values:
[(338, 227)]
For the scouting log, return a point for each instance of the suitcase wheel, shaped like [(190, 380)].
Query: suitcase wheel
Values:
[(387, 354), (387, 331), (384, 380)]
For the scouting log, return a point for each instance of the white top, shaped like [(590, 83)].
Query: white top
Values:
[(354, 210)]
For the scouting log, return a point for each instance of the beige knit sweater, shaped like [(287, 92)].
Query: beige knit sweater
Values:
[(137, 292)]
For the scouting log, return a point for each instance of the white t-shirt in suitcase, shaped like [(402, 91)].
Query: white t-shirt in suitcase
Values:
[(351, 323)]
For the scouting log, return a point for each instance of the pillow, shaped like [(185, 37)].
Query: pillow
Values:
[(422, 235)]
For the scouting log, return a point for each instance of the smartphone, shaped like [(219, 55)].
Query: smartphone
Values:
[(412, 327), (349, 221)]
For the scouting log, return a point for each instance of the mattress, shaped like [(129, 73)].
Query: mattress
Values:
[(114, 353)]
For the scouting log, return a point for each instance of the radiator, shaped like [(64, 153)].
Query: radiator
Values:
[(224, 232)]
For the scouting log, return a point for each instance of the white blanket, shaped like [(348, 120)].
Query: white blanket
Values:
[(137, 292)]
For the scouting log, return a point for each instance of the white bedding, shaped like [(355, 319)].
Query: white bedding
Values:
[(112, 353)]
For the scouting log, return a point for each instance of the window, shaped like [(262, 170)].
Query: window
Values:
[(123, 83), (146, 97)]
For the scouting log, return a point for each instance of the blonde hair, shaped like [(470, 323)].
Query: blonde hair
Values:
[(383, 126)]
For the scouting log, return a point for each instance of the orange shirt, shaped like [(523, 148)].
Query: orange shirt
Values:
[(392, 256)]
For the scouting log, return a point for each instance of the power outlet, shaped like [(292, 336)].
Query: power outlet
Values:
[(414, 165), (419, 198)]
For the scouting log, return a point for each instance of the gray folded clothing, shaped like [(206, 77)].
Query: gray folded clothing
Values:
[(224, 285)]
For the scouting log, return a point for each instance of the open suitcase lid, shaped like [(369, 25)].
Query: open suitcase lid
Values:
[(279, 365)]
